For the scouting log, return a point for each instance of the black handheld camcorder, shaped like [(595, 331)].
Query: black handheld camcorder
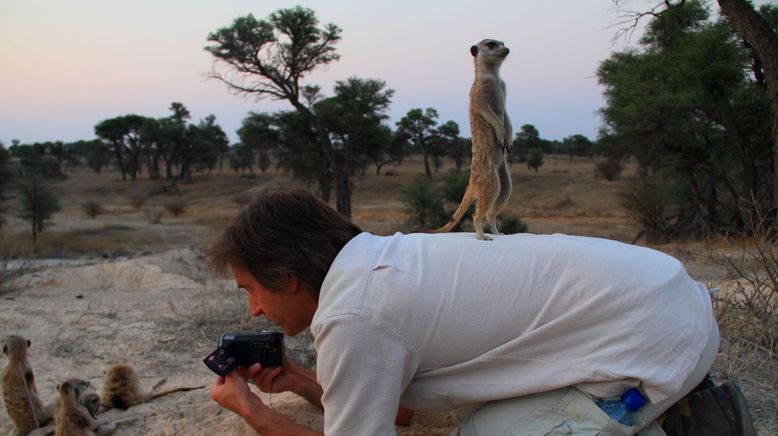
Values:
[(245, 349)]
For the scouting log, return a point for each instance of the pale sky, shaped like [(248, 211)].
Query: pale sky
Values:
[(66, 65)]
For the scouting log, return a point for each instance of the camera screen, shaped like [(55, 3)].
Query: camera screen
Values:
[(220, 361)]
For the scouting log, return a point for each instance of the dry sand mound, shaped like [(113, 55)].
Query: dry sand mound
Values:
[(159, 314)]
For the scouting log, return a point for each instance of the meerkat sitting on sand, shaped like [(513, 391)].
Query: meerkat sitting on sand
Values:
[(490, 182), (122, 389), (72, 418), (20, 395)]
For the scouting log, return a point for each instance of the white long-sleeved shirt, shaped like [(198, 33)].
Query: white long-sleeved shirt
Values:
[(435, 322)]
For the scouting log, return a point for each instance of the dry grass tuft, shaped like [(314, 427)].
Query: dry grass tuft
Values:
[(12, 263), (746, 308)]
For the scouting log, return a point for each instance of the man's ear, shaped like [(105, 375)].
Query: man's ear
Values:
[(291, 284), (474, 50)]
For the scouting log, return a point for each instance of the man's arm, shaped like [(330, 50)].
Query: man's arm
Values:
[(267, 422), (232, 392)]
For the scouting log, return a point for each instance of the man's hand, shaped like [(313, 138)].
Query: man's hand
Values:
[(276, 379), (289, 377), (233, 393)]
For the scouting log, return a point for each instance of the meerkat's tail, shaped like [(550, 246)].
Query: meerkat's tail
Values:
[(171, 391), (464, 205)]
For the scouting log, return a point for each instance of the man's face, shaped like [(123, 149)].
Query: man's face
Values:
[(290, 308)]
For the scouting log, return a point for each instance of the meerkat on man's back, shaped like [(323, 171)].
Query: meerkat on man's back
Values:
[(491, 131)]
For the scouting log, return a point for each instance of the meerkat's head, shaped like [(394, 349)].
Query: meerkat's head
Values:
[(66, 389), (15, 347), (489, 51)]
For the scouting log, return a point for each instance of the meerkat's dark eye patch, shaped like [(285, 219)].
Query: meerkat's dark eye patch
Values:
[(491, 44)]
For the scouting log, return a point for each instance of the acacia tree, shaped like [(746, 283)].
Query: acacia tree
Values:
[(419, 127), (37, 202), (527, 138), (259, 133), (124, 134), (685, 108), (173, 136), (353, 117), (761, 37), (269, 58), (450, 144)]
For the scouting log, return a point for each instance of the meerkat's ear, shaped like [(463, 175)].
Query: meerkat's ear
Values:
[(28, 343), (474, 50), (5, 349)]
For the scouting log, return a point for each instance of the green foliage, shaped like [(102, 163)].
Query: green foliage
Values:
[(455, 185), (265, 57), (37, 202), (535, 159), (424, 203), (684, 105), (124, 134), (510, 224)]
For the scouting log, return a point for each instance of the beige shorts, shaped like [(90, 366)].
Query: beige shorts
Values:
[(570, 411)]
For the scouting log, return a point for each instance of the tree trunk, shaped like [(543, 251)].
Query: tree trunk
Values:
[(324, 187), (117, 148), (427, 170), (343, 202), (727, 118), (757, 32)]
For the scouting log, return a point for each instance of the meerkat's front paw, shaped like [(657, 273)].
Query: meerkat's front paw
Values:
[(484, 237)]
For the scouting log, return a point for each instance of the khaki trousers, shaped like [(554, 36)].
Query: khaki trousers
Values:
[(570, 411)]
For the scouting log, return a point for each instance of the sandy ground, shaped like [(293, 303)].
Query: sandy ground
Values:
[(133, 292), (160, 314)]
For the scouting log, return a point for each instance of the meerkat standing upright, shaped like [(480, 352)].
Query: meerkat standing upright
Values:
[(20, 395), (490, 182)]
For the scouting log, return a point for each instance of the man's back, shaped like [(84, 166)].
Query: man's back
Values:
[(524, 313)]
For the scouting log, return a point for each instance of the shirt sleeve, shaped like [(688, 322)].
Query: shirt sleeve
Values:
[(363, 368)]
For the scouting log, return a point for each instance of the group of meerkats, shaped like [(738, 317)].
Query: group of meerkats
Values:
[(75, 411)]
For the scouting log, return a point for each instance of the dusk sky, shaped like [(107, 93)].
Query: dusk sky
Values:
[(66, 65)]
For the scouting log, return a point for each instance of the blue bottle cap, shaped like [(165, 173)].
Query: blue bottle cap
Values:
[(633, 399)]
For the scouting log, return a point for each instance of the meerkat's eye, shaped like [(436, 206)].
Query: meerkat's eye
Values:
[(491, 44)]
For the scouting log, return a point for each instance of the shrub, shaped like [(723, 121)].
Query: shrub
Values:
[(511, 224), (535, 159), (137, 199), (609, 169), (176, 207), (643, 202), (455, 185), (425, 203), (92, 208)]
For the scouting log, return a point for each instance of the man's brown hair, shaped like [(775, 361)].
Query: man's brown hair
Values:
[(283, 232)]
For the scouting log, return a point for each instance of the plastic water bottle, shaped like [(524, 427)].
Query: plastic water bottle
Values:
[(621, 409)]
